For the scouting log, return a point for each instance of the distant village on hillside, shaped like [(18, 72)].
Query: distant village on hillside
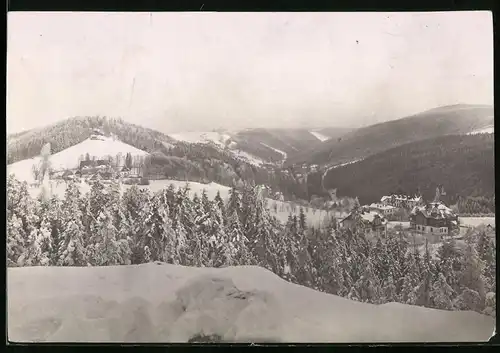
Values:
[(433, 219)]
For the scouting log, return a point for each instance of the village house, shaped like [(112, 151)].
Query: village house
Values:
[(88, 167), (386, 210), (433, 218), (368, 221)]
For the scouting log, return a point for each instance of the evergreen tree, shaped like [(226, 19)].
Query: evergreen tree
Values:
[(472, 278), (426, 279), (108, 249), (220, 204), (72, 250), (389, 290), (442, 294), (486, 253), (15, 240), (450, 263)]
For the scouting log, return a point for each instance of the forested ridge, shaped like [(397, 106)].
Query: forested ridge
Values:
[(72, 131), (106, 227), (366, 141), (463, 164)]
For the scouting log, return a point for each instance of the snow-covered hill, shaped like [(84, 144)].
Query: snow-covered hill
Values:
[(68, 158), (165, 303)]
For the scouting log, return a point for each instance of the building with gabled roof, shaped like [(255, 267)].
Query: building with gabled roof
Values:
[(366, 220), (433, 218)]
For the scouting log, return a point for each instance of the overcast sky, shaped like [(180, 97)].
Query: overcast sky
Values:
[(200, 71)]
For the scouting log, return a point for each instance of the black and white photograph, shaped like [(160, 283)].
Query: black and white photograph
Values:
[(250, 177)]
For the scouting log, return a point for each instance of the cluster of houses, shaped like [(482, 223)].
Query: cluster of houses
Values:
[(95, 169), (433, 218)]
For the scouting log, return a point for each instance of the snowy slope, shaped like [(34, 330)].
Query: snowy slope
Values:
[(218, 138), (68, 158), (166, 303), (485, 130), (275, 149), (319, 136)]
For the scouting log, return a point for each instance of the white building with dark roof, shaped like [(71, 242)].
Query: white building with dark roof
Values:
[(433, 218)]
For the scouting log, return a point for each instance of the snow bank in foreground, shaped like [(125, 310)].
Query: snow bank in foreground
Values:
[(167, 303)]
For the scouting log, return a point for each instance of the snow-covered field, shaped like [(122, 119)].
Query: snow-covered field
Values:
[(475, 221), (314, 217), (165, 303)]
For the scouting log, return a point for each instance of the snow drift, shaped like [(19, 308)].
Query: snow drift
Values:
[(165, 303)]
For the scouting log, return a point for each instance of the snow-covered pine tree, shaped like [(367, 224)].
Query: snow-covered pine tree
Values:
[(231, 248), (472, 280), (291, 235), (367, 287), (135, 203), (220, 204), (108, 249), (71, 249), (15, 240), (381, 262), (486, 252), (44, 228), (441, 295), (397, 249), (55, 219), (411, 280), (450, 263), (157, 227), (125, 235), (16, 234), (389, 290), (304, 273), (249, 215), (97, 201), (426, 279), (264, 247), (184, 226), (203, 218)]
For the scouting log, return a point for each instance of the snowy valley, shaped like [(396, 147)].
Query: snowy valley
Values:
[(252, 177)]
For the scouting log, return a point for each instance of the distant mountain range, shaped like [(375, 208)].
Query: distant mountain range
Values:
[(363, 142), (268, 145)]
